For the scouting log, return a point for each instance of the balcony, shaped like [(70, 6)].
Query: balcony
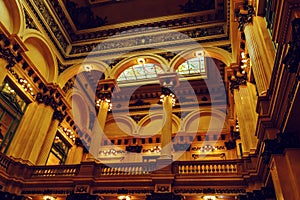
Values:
[(186, 176)]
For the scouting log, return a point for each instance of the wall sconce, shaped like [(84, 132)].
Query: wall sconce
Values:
[(26, 86), (98, 102), (69, 133), (172, 96)]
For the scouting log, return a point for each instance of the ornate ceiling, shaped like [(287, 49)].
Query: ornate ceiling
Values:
[(77, 27)]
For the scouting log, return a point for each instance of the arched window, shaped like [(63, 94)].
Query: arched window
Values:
[(140, 72), (192, 67)]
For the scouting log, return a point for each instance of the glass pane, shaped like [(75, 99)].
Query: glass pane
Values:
[(183, 68), (140, 72), (129, 73), (193, 66)]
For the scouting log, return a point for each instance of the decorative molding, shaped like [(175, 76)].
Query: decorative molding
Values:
[(117, 191), (292, 59), (236, 80), (163, 188), (144, 27), (244, 16), (57, 38), (69, 85), (29, 22), (81, 189), (209, 191), (150, 40), (46, 191), (286, 20)]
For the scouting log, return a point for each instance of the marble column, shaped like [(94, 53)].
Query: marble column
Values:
[(32, 113), (37, 133), (257, 60), (48, 141), (166, 133), (245, 102), (98, 129)]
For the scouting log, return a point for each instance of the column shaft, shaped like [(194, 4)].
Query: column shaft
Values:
[(39, 128), (98, 129), (78, 155), (71, 154), (22, 134), (245, 109), (48, 141), (166, 134), (258, 65)]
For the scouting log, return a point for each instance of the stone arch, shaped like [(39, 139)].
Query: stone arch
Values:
[(149, 58), (213, 52), (152, 124), (12, 16), (78, 68), (204, 120), (80, 111), (41, 55), (118, 125)]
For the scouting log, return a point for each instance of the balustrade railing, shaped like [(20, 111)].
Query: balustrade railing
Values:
[(206, 167), (202, 168), (127, 169), (41, 171)]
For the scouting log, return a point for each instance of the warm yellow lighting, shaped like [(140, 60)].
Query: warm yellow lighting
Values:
[(243, 55), (48, 198), (209, 198), (199, 54), (141, 61), (123, 197), (171, 95), (88, 68), (98, 103)]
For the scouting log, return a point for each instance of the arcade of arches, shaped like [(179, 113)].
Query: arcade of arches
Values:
[(195, 101)]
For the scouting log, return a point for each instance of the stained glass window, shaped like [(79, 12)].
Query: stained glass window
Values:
[(140, 72), (192, 66)]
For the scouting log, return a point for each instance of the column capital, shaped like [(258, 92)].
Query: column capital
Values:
[(237, 79), (106, 88), (168, 80), (244, 15), (59, 115), (107, 85)]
